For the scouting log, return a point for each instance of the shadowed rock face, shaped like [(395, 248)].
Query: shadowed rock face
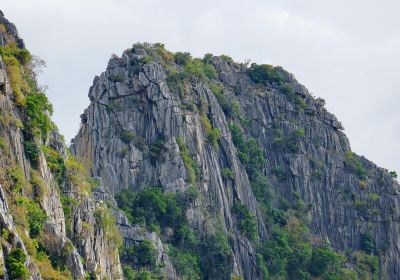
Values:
[(307, 156)]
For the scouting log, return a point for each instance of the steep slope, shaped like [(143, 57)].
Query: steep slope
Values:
[(51, 225), (261, 178)]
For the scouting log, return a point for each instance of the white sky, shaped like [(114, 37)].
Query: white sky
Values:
[(346, 51)]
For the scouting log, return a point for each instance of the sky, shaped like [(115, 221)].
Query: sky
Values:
[(347, 52)]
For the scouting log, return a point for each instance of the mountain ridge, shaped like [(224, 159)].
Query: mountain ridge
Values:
[(186, 168)]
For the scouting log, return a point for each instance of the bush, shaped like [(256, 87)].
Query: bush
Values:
[(15, 263), (182, 58), (156, 150), (280, 173), (367, 243), (216, 257), (32, 152), (246, 221), (151, 206), (55, 162), (126, 136), (213, 134), (353, 165), (228, 174), (250, 154), (186, 263), (38, 110), (393, 174), (144, 253), (190, 164), (36, 219), (322, 259), (107, 222), (17, 178), (18, 84), (264, 74)]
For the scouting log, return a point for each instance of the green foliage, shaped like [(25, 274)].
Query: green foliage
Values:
[(68, 204), (353, 165), (280, 173), (323, 259), (106, 221), (367, 266), (264, 74), (32, 152), (393, 174), (22, 55), (227, 173), (250, 154), (229, 106), (182, 58), (190, 164), (38, 110), (15, 263), (55, 162), (126, 136), (367, 243), (151, 206), (17, 178), (14, 72), (3, 144), (291, 142), (144, 254), (36, 218), (186, 263), (213, 134), (246, 220), (155, 150), (216, 257)]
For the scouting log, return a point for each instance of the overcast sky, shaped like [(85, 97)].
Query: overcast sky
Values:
[(347, 52)]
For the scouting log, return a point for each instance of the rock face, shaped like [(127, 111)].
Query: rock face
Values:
[(135, 103), (206, 168), (32, 191)]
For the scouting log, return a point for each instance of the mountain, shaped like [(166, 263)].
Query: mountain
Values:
[(187, 168)]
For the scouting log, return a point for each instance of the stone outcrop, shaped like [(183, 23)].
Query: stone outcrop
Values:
[(134, 99)]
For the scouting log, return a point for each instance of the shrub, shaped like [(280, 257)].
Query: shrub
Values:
[(107, 222), (18, 84), (126, 136), (36, 219), (393, 174), (186, 263), (151, 206), (322, 259), (228, 174), (353, 165), (155, 150), (15, 263), (17, 178), (246, 220), (32, 152), (216, 257), (3, 144), (182, 58), (38, 110), (213, 134), (367, 243), (264, 74), (67, 204), (190, 164), (55, 162), (280, 173), (144, 253)]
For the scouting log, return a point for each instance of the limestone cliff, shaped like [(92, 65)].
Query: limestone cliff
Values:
[(186, 168), (259, 149), (44, 192)]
